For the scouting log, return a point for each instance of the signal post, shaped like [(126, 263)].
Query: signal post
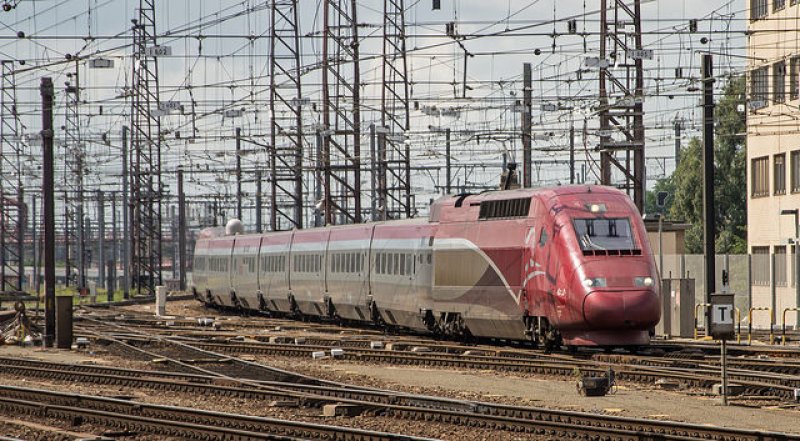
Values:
[(721, 326)]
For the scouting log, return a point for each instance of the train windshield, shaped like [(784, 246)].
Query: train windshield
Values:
[(604, 234)]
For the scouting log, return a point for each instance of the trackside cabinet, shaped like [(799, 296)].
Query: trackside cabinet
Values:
[(677, 308)]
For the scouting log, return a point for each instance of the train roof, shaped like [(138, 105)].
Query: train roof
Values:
[(219, 232), (466, 207), (456, 208)]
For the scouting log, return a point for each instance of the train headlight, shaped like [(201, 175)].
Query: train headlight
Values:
[(643, 281), (596, 208), (595, 282)]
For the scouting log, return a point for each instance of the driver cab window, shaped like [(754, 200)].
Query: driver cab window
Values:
[(543, 238)]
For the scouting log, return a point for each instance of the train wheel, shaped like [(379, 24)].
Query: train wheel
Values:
[(552, 340)]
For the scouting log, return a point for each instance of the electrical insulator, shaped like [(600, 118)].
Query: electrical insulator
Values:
[(572, 26)]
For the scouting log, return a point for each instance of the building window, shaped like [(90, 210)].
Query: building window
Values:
[(779, 82), (779, 174), (794, 72), (777, 5), (760, 266), (795, 171), (760, 177), (758, 9), (781, 275), (759, 87)]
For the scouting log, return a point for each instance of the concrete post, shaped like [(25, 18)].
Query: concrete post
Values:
[(161, 301)]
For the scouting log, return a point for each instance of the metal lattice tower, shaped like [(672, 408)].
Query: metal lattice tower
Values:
[(621, 113), (286, 135), (341, 115), (394, 167), (74, 155), (12, 207), (145, 154)]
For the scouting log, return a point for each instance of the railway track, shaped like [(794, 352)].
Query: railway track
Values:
[(639, 369), (538, 421), (175, 421), (238, 324), (754, 383)]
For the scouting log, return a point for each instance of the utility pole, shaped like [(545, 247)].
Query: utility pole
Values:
[(709, 213), (35, 246), (173, 232), (101, 243), (527, 108), (73, 178), (383, 165), (12, 202), (341, 95), (286, 124), (621, 106), (181, 231), (571, 153), (395, 152), (259, 202), (239, 173), (374, 164), (48, 185), (319, 202), (677, 142), (127, 211), (447, 170), (146, 154), (67, 248), (112, 277)]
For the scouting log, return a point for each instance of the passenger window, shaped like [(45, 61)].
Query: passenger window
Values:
[(543, 238), (402, 264)]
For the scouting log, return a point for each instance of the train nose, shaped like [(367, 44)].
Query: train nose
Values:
[(622, 309)]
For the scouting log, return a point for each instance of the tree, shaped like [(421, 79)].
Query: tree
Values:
[(730, 185)]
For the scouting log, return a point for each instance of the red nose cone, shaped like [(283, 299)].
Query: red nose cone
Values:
[(622, 309)]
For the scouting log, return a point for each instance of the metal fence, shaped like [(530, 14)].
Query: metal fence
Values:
[(759, 280)]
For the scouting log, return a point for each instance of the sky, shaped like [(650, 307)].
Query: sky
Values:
[(220, 61)]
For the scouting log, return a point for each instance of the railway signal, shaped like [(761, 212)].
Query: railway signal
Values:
[(721, 326)]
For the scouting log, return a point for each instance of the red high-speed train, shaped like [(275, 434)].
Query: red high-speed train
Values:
[(568, 264)]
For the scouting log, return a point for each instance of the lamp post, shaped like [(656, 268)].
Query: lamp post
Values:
[(796, 213)]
